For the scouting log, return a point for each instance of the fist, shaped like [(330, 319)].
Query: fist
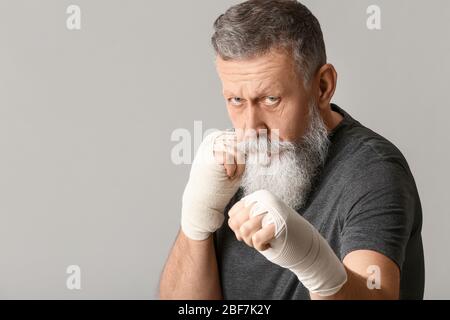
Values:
[(249, 229), (213, 180), (227, 154)]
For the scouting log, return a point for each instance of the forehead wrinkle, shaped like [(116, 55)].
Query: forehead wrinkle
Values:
[(256, 90), (245, 73), (262, 75), (258, 86)]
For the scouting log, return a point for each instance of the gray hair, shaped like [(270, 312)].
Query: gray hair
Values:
[(255, 27)]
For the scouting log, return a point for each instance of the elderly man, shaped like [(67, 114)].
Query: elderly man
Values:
[(333, 214)]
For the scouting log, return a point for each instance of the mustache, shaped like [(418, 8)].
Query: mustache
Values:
[(264, 152), (264, 145)]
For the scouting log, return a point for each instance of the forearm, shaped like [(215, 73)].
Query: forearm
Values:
[(356, 288), (191, 271)]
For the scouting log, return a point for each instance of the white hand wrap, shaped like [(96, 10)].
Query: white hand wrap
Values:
[(207, 192), (298, 246)]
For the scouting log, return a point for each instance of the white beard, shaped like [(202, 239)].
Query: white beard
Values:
[(290, 170)]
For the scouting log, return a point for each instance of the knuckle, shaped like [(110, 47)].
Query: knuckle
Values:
[(243, 230), (256, 239), (231, 224), (236, 208)]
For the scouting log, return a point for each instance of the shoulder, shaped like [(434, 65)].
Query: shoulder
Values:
[(371, 171), (362, 153)]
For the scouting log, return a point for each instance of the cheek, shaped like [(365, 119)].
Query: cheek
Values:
[(236, 118), (291, 122)]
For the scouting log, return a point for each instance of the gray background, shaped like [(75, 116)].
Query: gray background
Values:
[(86, 117)]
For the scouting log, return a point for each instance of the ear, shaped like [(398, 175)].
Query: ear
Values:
[(326, 78)]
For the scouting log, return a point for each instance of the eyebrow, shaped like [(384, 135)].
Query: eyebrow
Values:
[(274, 90)]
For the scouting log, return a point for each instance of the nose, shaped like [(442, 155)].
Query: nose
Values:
[(254, 122)]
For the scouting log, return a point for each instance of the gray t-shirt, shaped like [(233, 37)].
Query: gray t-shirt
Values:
[(365, 197)]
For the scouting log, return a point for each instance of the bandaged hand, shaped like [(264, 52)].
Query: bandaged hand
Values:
[(214, 178), (284, 237)]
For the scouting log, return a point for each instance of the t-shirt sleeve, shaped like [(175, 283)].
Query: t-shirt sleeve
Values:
[(382, 211)]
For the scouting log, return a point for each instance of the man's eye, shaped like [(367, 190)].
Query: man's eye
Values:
[(271, 100), (235, 101)]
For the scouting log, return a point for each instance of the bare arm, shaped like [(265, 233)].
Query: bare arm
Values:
[(356, 264), (191, 271)]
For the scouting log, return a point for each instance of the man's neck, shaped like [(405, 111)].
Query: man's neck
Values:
[(332, 119)]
